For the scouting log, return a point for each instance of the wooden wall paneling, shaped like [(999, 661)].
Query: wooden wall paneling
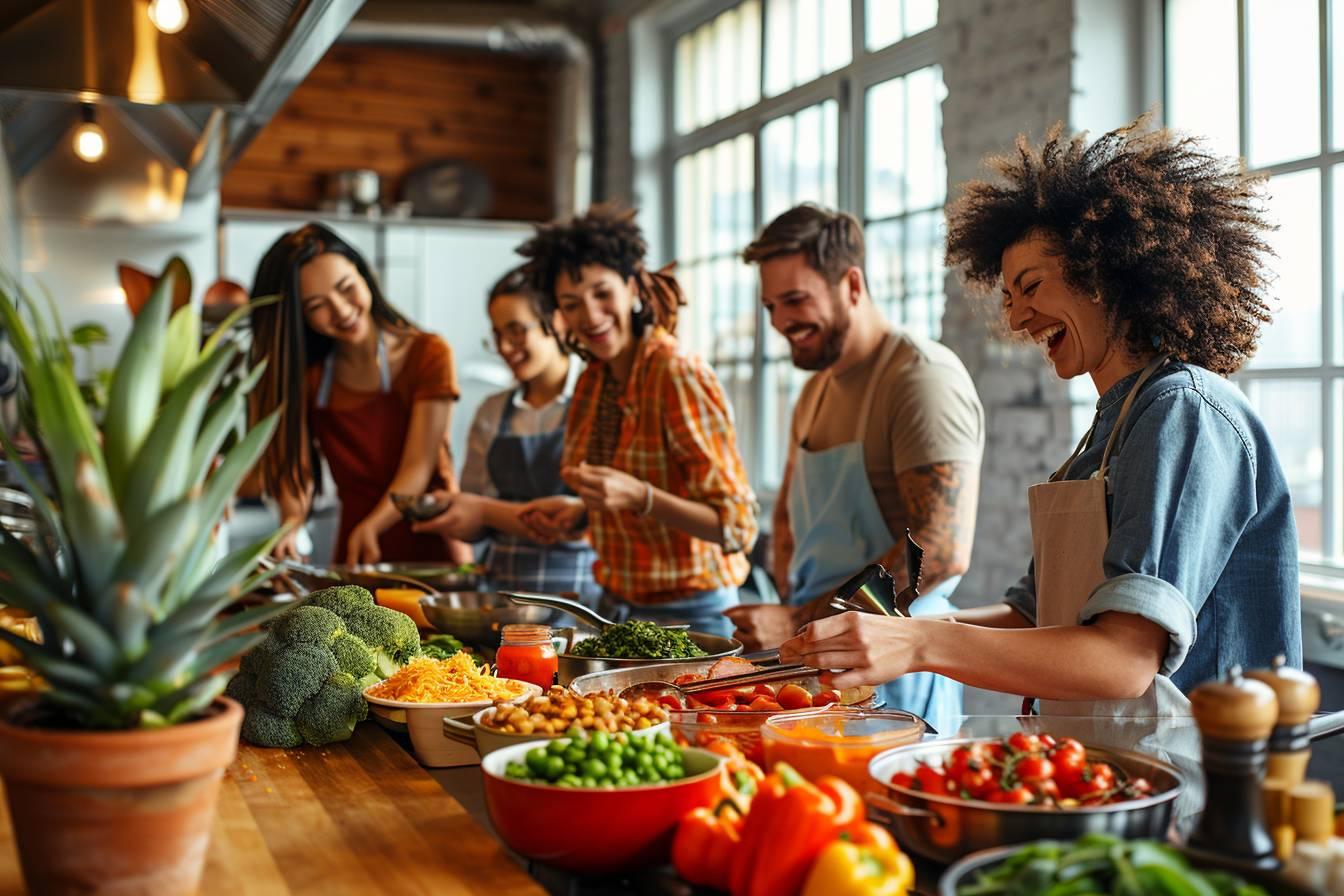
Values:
[(394, 108)]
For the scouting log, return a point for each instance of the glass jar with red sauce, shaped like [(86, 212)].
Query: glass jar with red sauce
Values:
[(527, 653)]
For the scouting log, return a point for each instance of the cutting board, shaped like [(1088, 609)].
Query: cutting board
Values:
[(354, 818)]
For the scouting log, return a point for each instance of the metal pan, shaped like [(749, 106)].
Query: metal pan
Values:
[(945, 828), (572, 666), (432, 577)]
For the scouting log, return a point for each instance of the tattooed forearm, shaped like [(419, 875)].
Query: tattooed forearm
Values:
[(939, 502)]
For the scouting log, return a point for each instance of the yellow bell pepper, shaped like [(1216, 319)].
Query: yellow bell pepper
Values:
[(854, 869)]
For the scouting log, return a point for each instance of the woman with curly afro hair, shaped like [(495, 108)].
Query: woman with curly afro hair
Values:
[(650, 449), (1164, 548)]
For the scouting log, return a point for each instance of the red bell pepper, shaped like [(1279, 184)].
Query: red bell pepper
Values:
[(706, 844), (791, 821)]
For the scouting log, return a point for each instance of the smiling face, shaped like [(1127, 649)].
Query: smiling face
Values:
[(807, 311), (597, 308), (1070, 327), (335, 298), (519, 337)]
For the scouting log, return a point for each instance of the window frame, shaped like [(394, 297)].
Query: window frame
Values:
[(1327, 572), (847, 86)]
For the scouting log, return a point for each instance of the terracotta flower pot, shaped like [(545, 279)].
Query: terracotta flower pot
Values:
[(117, 813)]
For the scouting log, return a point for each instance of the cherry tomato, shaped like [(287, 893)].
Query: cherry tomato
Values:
[(1068, 752), (995, 752), (706, 718), (763, 690), (717, 699), (1047, 741), (904, 779), (1016, 796), (765, 704), (793, 696), (1046, 791), (931, 780), (1137, 788), (1023, 742), (1101, 771), (963, 757), (1034, 769), (976, 779), (825, 698), (1095, 784)]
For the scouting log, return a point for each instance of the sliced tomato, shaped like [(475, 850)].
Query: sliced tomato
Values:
[(670, 702), (765, 704), (825, 698), (763, 690)]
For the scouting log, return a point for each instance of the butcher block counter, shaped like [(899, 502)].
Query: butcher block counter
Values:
[(358, 817)]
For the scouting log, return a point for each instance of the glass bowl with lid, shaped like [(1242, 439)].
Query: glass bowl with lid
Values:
[(838, 742)]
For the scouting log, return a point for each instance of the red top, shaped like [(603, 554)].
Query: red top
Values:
[(361, 435)]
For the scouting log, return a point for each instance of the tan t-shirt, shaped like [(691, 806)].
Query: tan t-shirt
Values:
[(924, 411)]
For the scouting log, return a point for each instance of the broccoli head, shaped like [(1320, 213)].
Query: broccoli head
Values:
[(331, 714), (258, 657), (292, 676), (266, 729), (352, 655), (392, 636), (243, 688), (308, 625), (344, 600)]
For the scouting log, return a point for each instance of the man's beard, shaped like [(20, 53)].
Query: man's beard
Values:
[(832, 344)]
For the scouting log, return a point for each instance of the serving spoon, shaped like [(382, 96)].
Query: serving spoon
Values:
[(570, 605)]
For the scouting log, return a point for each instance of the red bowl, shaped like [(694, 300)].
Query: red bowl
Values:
[(595, 830)]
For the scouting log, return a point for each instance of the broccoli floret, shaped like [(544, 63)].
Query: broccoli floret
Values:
[(352, 655), (266, 729), (392, 636), (243, 688), (292, 676), (256, 659), (308, 625), (331, 714), (344, 600)]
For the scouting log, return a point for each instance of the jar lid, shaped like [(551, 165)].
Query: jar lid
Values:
[(1298, 693), (1234, 708), (525, 634)]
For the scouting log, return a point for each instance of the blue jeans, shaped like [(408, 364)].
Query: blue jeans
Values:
[(703, 610)]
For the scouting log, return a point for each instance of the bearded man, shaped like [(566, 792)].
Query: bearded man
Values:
[(887, 435)]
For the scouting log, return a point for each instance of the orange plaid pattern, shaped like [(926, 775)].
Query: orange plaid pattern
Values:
[(677, 434)]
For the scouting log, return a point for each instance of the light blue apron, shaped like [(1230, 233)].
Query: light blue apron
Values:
[(838, 529)]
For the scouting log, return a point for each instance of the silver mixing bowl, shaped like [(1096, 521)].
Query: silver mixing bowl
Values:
[(475, 617)]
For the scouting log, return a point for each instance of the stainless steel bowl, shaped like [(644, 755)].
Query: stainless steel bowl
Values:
[(945, 828), (439, 576), (475, 617), (573, 667)]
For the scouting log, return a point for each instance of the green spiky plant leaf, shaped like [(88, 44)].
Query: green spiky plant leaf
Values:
[(127, 589)]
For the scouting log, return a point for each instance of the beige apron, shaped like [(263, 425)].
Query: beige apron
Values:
[(1070, 527)]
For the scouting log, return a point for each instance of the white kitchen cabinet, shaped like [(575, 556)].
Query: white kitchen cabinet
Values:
[(243, 241)]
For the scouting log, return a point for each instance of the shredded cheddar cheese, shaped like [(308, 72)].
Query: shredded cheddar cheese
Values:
[(454, 680)]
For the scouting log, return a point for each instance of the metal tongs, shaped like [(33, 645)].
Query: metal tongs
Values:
[(872, 590), (655, 689)]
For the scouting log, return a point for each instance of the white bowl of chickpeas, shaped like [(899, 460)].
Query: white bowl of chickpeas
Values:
[(553, 714)]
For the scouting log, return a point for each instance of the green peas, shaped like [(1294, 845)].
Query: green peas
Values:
[(600, 760), (595, 768), (536, 760), (557, 747), (555, 768), (515, 770), (575, 753), (600, 741)]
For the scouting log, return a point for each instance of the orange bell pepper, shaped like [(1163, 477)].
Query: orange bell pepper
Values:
[(706, 844), (743, 777), (791, 821)]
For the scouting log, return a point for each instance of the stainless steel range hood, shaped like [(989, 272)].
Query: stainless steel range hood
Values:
[(177, 107)]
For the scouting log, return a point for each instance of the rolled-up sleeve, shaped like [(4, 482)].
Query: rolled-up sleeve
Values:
[(1183, 489), (702, 440), (1022, 595)]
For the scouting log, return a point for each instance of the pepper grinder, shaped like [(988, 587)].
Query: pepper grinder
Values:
[(1235, 716), (1299, 697)]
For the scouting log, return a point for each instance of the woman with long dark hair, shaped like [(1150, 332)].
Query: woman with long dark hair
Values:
[(357, 382)]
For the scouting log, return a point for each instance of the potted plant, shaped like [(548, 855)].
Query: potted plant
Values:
[(112, 773)]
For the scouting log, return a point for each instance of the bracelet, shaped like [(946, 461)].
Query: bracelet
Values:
[(648, 499)]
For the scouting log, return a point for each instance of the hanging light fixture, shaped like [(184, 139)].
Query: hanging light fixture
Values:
[(169, 16), (90, 142)]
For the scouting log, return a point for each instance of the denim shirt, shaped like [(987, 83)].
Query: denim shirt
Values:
[(1202, 540)]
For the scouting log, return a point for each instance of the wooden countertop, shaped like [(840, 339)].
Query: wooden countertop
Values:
[(358, 817)]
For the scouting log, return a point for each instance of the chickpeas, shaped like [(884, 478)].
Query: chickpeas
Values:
[(556, 711)]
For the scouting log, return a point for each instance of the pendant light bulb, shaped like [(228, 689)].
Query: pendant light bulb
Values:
[(169, 16), (90, 142)]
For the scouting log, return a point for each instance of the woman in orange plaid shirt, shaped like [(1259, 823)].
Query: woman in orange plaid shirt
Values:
[(650, 449)]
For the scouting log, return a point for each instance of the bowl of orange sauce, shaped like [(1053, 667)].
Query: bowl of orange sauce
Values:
[(838, 742)]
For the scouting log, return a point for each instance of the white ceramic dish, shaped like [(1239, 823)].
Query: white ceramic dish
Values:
[(424, 722)]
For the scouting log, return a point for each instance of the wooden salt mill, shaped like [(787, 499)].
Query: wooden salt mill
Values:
[(1235, 717), (1299, 696)]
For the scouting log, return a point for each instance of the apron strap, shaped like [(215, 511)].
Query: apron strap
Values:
[(1112, 443), (329, 374), (1083, 445), (869, 394)]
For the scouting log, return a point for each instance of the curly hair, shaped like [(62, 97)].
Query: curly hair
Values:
[(1168, 235), (605, 235)]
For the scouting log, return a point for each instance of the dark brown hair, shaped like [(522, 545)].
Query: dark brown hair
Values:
[(517, 283), (605, 235), (830, 241), (282, 338), (1167, 234)]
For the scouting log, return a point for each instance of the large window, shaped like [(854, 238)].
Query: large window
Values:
[(1261, 79), (777, 102)]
